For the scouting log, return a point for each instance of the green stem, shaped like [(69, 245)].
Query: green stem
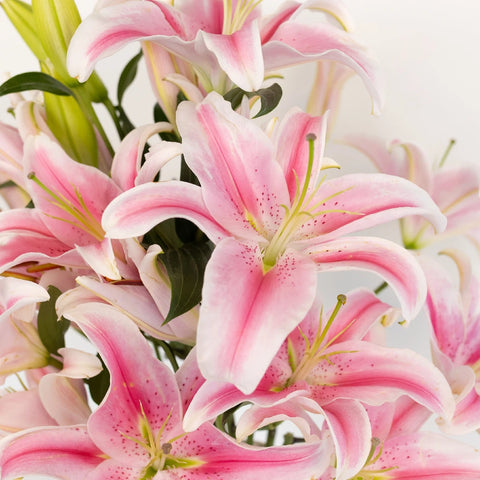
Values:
[(113, 114), (90, 113)]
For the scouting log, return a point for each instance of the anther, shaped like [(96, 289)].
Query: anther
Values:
[(166, 448)]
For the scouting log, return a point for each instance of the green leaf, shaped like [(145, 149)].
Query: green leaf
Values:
[(51, 330), (269, 98), (98, 385), (34, 81), (185, 267), (128, 76)]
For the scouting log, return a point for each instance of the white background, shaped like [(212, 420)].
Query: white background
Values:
[(429, 52)]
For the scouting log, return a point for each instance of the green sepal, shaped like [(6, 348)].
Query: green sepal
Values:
[(185, 268), (269, 98), (34, 81), (51, 330)]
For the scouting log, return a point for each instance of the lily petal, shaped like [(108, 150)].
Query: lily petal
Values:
[(138, 210), (392, 262), (71, 453), (236, 318)]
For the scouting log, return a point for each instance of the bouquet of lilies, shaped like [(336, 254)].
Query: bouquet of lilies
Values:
[(179, 326)]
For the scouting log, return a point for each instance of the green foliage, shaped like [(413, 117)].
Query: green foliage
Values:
[(34, 81), (50, 329), (185, 267), (269, 98)]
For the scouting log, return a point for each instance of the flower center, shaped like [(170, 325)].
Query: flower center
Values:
[(380, 474), (234, 19), (80, 215), (158, 449), (302, 209)]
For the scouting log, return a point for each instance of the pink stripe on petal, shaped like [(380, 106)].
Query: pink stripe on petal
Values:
[(375, 374), (60, 452), (243, 323), (139, 209), (108, 29), (350, 428), (393, 263), (239, 55), (138, 390)]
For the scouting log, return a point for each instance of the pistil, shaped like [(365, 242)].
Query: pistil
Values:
[(314, 352)]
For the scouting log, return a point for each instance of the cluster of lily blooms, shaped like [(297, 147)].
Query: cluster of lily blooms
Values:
[(175, 388)]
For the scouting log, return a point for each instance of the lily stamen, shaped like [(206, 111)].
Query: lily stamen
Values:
[(83, 219)]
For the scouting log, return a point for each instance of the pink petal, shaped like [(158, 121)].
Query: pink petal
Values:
[(393, 263), (444, 306), (423, 456), (292, 147), (126, 163), (138, 210), (350, 428), (226, 459), (360, 370), (135, 388), (236, 318), (16, 293), (243, 187), (11, 154), (239, 55), (61, 452), (295, 42), (21, 410), (107, 30), (211, 398), (158, 156), (64, 399), (85, 188), (352, 202), (357, 316), (294, 411)]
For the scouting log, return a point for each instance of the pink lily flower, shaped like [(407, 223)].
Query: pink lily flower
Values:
[(276, 222), (137, 430), (326, 367), (455, 319), (227, 42), (454, 189), (400, 451)]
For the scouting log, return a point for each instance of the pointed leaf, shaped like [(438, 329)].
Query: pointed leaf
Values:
[(51, 330), (269, 98), (34, 81), (185, 267), (98, 385), (127, 76)]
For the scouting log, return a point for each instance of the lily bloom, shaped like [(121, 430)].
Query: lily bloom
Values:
[(276, 221), (400, 450), (326, 366), (137, 430), (226, 42), (454, 189), (455, 319)]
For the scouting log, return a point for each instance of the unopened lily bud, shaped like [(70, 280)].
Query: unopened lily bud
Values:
[(56, 21)]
